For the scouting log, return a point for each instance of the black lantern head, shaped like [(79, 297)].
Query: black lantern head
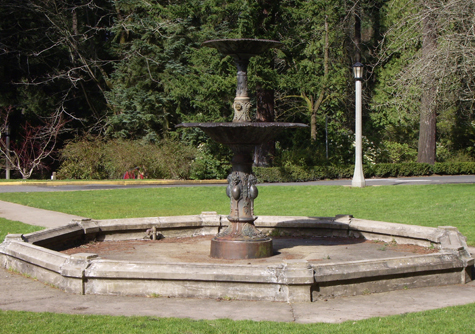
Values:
[(358, 71)]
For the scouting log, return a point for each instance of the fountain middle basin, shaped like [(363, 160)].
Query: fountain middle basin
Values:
[(241, 239), (288, 276), (243, 133)]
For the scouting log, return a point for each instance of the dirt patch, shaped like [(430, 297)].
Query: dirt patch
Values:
[(405, 248), (106, 247)]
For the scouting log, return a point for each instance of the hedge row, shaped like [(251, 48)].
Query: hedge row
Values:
[(93, 158), (300, 174)]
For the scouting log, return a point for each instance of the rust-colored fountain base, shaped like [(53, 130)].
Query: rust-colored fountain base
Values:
[(241, 241), (239, 249)]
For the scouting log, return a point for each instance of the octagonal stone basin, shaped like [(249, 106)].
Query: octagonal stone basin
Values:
[(299, 271)]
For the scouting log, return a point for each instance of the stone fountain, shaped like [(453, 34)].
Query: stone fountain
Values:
[(315, 258), (241, 239)]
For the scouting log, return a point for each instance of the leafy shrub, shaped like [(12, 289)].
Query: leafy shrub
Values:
[(302, 174), (82, 160), (399, 152), (207, 166), (454, 168), (401, 169), (94, 158)]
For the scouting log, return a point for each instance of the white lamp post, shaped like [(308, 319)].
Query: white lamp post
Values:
[(358, 176)]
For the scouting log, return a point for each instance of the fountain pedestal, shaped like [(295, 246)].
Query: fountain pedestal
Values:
[(240, 239)]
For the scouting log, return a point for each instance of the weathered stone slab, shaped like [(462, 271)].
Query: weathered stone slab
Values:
[(189, 289), (52, 278), (180, 221), (199, 272), (52, 234), (210, 218), (400, 230), (89, 226), (112, 225), (396, 239), (331, 289), (36, 255), (386, 267), (451, 238), (107, 225), (76, 264)]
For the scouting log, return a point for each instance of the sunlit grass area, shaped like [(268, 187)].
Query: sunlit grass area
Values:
[(447, 320), (13, 227)]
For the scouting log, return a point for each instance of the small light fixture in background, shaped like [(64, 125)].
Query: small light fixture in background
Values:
[(358, 71)]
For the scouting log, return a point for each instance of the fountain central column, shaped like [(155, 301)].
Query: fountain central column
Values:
[(241, 239), (242, 104)]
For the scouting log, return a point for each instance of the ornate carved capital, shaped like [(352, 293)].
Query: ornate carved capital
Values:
[(242, 107)]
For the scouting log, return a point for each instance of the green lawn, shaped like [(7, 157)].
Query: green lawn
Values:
[(13, 227), (428, 205), (447, 320)]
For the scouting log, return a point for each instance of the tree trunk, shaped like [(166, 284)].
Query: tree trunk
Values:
[(313, 127), (264, 153), (315, 107), (427, 127), (427, 131)]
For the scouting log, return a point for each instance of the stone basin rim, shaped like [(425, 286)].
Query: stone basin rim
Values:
[(288, 280)]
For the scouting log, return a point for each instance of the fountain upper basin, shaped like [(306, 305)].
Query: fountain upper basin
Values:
[(243, 133), (242, 47)]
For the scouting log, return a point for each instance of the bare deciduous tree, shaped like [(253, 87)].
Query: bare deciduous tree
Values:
[(435, 41), (36, 143), (62, 50)]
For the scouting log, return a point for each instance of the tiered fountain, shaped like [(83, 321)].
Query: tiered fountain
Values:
[(241, 239), (178, 268)]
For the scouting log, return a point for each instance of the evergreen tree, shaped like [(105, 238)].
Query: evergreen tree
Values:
[(315, 73)]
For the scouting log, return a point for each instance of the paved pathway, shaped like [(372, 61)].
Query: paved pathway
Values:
[(46, 186), (20, 293), (34, 216)]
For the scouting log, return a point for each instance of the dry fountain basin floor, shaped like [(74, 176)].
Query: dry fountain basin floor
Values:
[(314, 258)]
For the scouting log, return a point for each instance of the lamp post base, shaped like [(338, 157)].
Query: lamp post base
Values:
[(358, 180), (358, 183)]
